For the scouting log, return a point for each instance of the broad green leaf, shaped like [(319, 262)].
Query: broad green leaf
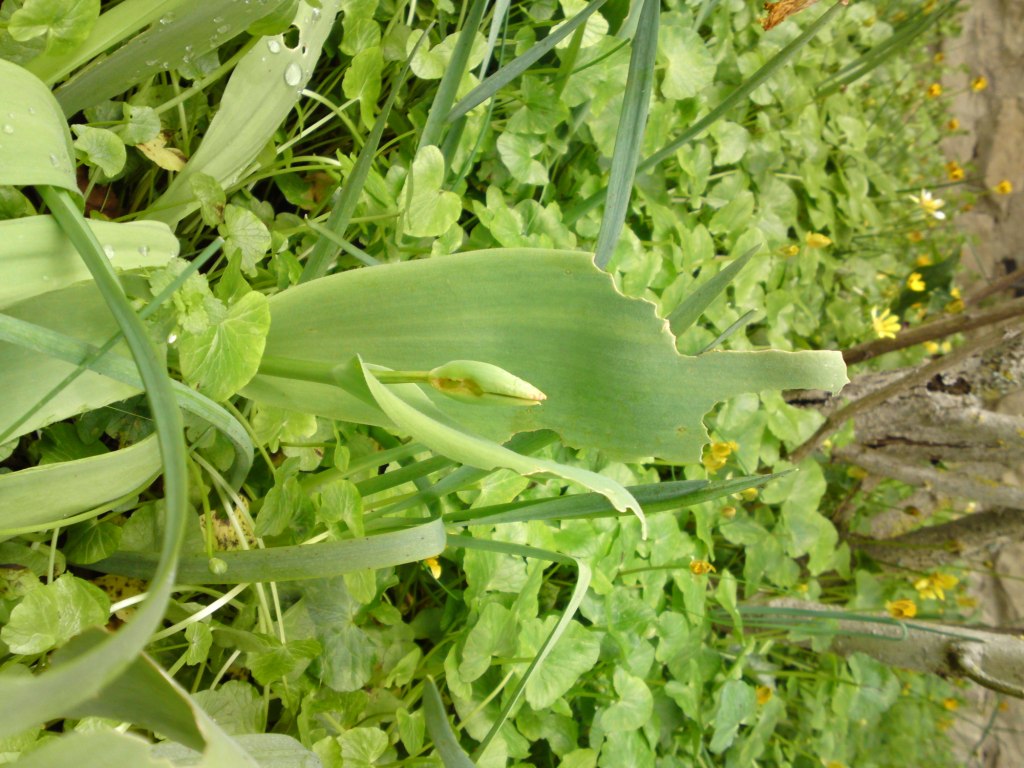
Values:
[(361, 747), (736, 705), (141, 124), (489, 636), (100, 148), (521, 310), (690, 67), (235, 706), (90, 541), (224, 358), (36, 145), (199, 638), (429, 210), (210, 196), (50, 616), (244, 234), (634, 707), (411, 729), (363, 81), (63, 22), (29, 502), (96, 749), (36, 258), (518, 154)]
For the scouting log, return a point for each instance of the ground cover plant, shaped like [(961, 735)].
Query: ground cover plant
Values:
[(428, 305)]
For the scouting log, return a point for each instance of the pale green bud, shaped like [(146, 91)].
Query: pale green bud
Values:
[(474, 382)]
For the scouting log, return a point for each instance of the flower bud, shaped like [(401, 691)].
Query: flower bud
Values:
[(474, 382)]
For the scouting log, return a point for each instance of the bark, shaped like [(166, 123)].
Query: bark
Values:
[(934, 546), (993, 659)]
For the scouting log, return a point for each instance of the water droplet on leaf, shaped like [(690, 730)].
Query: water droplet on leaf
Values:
[(293, 74)]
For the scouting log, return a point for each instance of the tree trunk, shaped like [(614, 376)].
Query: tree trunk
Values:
[(993, 659)]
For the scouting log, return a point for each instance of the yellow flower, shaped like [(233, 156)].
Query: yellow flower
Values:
[(980, 83), (954, 171), (884, 323), (817, 240), (924, 260), (951, 704), (954, 292), (1004, 187), (916, 236), (955, 307), (728, 512), (934, 90), (748, 494), (931, 348), (939, 57), (901, 609), (791, 250), (722, 450), (934, 586), (433, 566), (701, 567), (929, 204), (764, 694), (915, 282), (953, 124)]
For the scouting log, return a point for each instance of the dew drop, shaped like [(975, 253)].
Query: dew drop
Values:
[(151, 62), (9, 129), (31, 110), (143, 250), (167, 19), (293, 74), (218, 19), (46, 278), (315, 14), (273, 46), (109, 250), (54, 161), (223, 29), (171, 338)]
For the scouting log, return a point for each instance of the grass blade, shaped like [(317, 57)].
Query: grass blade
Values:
[(654, 497), (520, 64), (440, 730), (449, 85), (630, 134), (193, 28), (698, 300)]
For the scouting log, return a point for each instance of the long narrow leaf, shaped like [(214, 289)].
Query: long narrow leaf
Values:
[(26, 702), (457, 67), (440, 730), (64, 347), (292, 563), (699, 299), (263, 89), (521, 63), (630, 134)]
